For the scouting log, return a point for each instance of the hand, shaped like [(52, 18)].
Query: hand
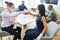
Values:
[(19, 13), (39, 37), (26, 11), (23, 12)]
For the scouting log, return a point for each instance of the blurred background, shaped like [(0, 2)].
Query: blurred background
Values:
[(33, 4)]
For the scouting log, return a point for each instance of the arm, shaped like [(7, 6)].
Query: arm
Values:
[(11, 14), (33, 14), (44, 24), (25, 7)]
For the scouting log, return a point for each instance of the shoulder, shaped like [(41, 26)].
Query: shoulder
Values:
[(19, 5), (24, 6), (43, 18), (4, 11)]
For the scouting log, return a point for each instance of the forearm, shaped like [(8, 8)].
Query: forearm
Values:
[(33, 14), (44, 31)]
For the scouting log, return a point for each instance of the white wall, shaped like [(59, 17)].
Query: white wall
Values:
[(32, 3), (56, 7), (1, 3)]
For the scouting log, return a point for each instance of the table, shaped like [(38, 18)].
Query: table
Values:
[(24, 20)]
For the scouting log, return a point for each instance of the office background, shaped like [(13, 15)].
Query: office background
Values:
[(30, 4)]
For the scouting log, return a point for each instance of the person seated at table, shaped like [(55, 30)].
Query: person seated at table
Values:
[(22, 7), (14, 10), (53, 14), (41, 28), (8, 19)]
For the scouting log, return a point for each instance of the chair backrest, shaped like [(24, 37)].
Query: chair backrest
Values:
[(0, 26), (1, 9), (52, 29)]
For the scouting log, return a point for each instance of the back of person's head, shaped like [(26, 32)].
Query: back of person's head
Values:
[(41, 9), (50, 7), (9, 3)]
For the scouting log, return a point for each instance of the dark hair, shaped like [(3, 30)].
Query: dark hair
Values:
[(9, 3), (22, 1), (51, 6), (41, 9)]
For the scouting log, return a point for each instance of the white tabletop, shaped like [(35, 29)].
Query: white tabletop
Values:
[(24, 19)]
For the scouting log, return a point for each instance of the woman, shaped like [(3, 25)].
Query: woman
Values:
[(41, 29), (8, 19)]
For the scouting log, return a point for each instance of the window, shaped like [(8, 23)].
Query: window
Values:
[(49, 1)]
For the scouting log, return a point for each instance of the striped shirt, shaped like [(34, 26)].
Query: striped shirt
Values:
[(8, 18)]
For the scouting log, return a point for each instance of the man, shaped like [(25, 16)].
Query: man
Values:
[(22, 7), (50, 8), (53, 14)]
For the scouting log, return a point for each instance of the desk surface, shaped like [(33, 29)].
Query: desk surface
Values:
[(24, 19)]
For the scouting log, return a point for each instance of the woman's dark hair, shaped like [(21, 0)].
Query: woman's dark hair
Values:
[(9, 3), (41, 9)]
